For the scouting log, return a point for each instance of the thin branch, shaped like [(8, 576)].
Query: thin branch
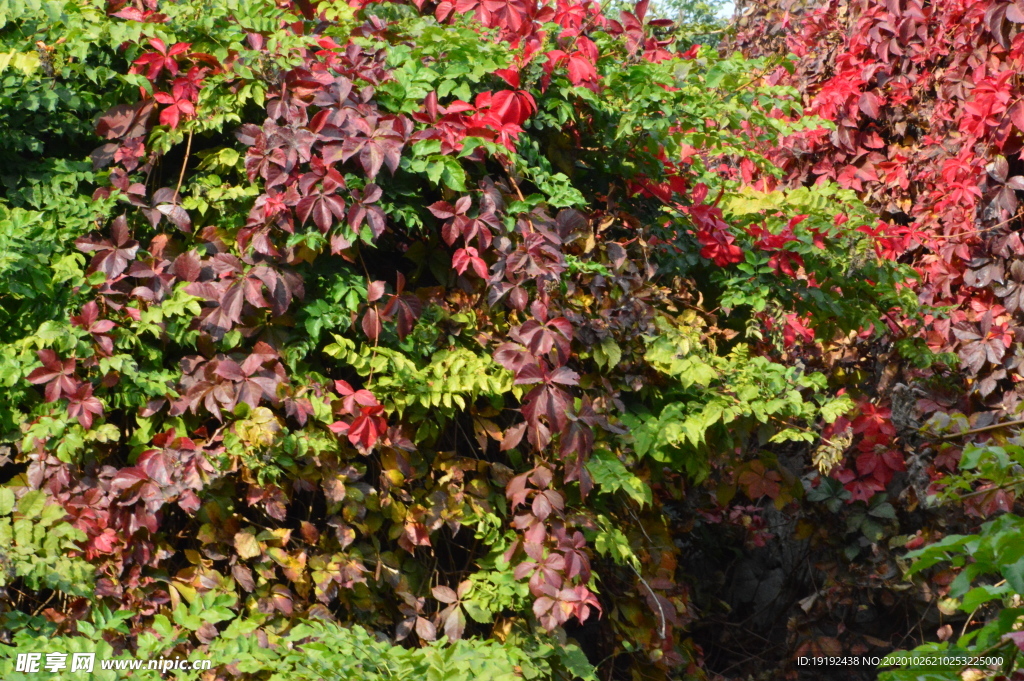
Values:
[(641, 526), (975, 611), (45, 603), (376, 339), (184, 164), (987, 490), (510, 171), (975, 232), (983, 429), (661, 611)]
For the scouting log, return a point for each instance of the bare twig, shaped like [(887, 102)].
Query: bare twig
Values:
[(975, 611), (184, 164), (661, 611), (983, 429), (45, 603), (979, 492), (510, 171)]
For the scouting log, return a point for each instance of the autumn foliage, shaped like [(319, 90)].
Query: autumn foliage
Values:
[(928, 126), (470, 333)]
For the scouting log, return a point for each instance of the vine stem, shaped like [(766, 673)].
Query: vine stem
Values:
[(376, 339), (510, 171), (975, 612), (44, 604), (978, 492), (184, 164), (661, 611), (983, 429)]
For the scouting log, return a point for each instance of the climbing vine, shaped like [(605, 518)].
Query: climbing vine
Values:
[(322, 319)]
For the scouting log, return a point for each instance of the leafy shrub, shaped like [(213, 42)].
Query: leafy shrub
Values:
[(931, 141), (402, 319)]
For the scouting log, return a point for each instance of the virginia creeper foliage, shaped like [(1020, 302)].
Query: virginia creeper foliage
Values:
[(413, 318)]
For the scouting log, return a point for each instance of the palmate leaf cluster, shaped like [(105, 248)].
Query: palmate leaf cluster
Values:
[(354, 341), (950, 186)]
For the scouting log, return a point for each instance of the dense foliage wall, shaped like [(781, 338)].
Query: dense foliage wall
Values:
[(926, 101), (399, 340)]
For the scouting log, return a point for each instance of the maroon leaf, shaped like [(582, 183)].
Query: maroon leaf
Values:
[(407, 308), (1016, 637), (998, 169), (1015, 12), (1016, 114), (187, 266), (112, 255), (324, 207), (123, 121), (362, 211), (869, 104), (177, 215), (513, 436), (466, 257), (454, 623), (371, 324), (375, 290), (445, 594), (542, 338), (83, 406), (56, 373)]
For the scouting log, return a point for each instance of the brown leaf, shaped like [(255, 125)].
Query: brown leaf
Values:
[(425, 629), (444, 594), (243, 576)]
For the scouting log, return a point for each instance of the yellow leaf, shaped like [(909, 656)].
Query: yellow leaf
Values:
[(246, 544), (26, 62), (260, 428)]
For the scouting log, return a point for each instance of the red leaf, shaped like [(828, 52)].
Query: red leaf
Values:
[(375, 290), (443, 10), (869, 104), (466, 257), (371, 324), (415, 534), (338, 427), (510, 76), (442, 210), (367, 428), (760, 482), (581, 69)]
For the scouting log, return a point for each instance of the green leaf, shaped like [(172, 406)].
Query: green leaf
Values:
[(611, 474), (608, 353), (883, 510), (6, 501), (31, 505), (477, 612), (1014, 575), (576, 662)]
